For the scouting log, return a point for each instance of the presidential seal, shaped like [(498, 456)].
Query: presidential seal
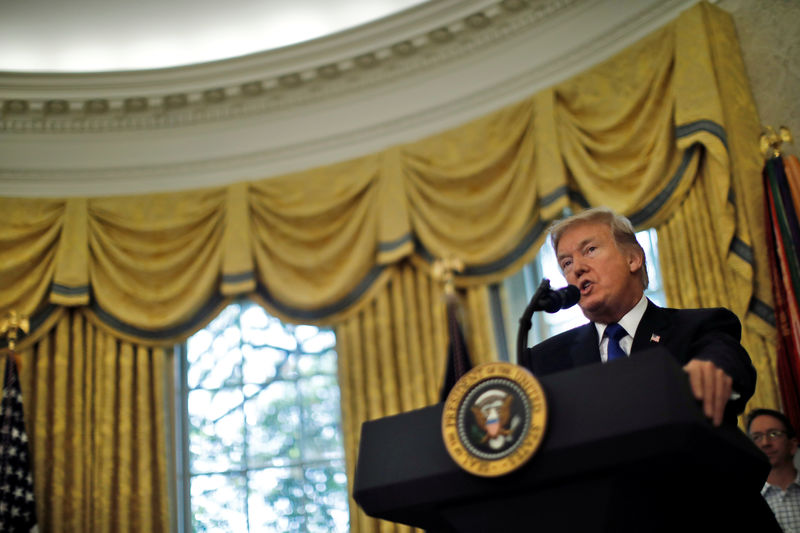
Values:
[(494, 419)]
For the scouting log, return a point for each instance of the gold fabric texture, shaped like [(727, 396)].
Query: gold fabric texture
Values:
[(665, 132), (392, 357), (98, 430)]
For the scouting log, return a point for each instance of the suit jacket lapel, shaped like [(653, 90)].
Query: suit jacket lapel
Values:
[(586, 348), (652, 327)]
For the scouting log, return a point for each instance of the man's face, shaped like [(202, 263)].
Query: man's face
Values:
[(779, 450), (607, 277)]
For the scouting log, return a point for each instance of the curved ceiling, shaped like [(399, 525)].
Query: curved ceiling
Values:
[(114, 35), (395, 80)]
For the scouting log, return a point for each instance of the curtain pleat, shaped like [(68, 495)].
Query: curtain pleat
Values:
[(97, 430), (694, 275), (155, 260), (404, 336), (469, 189), (482, 346), (319, 238), (392, 360), (28, 245)]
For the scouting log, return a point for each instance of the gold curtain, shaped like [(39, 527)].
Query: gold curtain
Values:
[(664, 132), (97, 419), (712, 246), (392, 358)]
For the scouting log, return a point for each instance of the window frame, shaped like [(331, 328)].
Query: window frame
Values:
[(180, 466)]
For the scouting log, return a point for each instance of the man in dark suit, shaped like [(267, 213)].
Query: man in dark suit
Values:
[(598, 252)]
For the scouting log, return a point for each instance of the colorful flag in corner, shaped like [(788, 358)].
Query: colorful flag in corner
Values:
[(17, 506)]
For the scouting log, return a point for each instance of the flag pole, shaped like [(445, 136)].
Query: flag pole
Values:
[(458, 362)]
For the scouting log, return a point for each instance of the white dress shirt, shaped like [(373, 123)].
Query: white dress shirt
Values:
[(630, 322)]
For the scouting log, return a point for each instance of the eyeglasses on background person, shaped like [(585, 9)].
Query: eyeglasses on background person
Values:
[(771, 435)]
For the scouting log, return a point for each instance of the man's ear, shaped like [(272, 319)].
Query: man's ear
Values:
[(635, 261), (793, 445)]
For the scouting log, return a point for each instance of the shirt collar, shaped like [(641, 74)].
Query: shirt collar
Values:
[(630, 321), (767, 486)]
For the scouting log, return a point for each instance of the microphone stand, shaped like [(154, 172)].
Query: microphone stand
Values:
[(525, 323)]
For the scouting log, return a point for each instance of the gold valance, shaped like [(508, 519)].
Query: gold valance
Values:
[(635, 133)]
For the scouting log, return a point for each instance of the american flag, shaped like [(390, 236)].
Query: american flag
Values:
[(17, 506)]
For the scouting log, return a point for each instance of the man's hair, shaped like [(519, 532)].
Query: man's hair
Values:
[(621, 229), (755, 413)]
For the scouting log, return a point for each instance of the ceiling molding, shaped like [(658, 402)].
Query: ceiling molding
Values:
[(393, 81), (374, 54)]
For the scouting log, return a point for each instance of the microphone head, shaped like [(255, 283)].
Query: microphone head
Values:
[(572, 295), (558, 299)]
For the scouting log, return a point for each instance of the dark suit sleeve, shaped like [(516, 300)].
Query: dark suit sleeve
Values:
[(715, 337)]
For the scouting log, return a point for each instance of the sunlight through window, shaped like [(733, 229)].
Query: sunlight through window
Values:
[(263, 445)]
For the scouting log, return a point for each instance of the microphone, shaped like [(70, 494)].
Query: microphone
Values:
[(552, 300), (544, 299)]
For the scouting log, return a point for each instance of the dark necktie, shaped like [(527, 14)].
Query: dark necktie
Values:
[(615, 332)]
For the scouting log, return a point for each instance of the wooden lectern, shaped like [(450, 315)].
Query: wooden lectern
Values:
[(627, 448)]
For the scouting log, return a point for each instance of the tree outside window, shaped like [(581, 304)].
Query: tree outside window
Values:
[(262, 448)]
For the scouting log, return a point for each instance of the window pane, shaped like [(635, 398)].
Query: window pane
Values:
[(327, 505), (655, 288), (278, 500), (217, 430), (321, 341), (320, 424), (293, 499), (314, 364), (218, 365), (253, 319), (262, 364), (273, 425), (264, 445), (218, 503)]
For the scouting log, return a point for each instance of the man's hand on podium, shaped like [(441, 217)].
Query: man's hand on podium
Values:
[(711, 385)]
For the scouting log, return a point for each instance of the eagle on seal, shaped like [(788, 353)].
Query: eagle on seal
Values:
[(493, 419)]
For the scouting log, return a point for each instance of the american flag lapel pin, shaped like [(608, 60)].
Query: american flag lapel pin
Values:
[(655, 338)]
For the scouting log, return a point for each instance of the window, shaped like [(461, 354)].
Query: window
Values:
[(261, 448), (518, 290)]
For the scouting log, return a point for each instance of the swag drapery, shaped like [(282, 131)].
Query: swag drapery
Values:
[(665, 132)]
